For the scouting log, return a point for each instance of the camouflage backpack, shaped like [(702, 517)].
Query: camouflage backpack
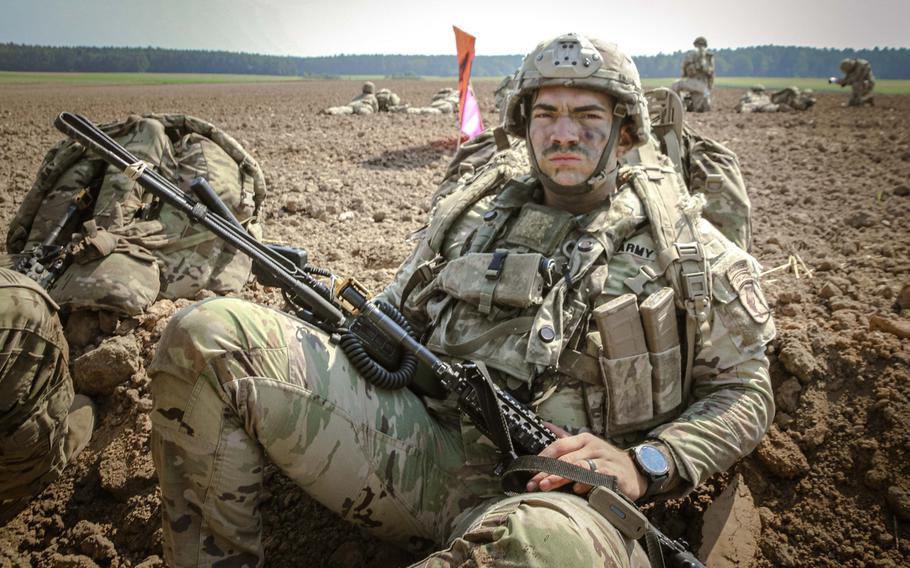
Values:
[(127, 248), (708, 167)]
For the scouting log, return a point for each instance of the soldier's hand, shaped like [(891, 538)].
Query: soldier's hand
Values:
[(607, 458)]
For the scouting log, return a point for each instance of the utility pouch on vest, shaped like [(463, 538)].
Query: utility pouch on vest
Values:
[(540, 228), (639, 355), (658, 318), (625, 364), (500, 278)]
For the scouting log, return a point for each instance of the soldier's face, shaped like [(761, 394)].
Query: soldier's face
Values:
[(568, 132)]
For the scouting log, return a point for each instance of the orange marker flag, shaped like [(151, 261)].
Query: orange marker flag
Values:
[(468, 111)]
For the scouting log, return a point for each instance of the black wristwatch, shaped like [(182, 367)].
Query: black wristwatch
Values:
[(653, 464)]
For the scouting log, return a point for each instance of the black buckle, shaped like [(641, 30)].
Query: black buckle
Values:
[(496, 264)]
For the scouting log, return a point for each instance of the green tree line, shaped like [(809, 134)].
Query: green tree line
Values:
[(764, 60)]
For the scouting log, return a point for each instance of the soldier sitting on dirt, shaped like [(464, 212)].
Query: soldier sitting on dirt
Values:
[(857, 74), (785, 100), (235, 383), (44, 425)]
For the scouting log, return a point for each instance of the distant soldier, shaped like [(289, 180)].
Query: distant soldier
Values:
[(44, 425), (857, 74), (445, 101), (697, 77), (386, 100), (756, 99), (786, 100), (364, 103), (791, 98)]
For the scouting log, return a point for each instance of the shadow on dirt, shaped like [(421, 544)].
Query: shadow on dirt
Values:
[(411, 157)]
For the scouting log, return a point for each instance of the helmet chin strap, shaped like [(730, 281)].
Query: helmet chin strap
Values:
[(600, 173)]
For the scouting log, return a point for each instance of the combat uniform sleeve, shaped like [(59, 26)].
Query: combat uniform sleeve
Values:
[(392, 293), (732, 403)]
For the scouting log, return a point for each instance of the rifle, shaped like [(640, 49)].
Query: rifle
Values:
[(513, 427), (47, 260)]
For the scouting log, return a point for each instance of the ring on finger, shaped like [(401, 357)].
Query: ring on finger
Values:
[(591, 464)]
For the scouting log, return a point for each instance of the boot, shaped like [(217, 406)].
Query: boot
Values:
[(79, 425)]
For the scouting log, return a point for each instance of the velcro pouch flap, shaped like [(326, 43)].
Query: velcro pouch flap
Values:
[(515, 279)]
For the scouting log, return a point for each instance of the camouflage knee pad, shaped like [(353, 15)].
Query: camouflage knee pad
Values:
[(539, 530)]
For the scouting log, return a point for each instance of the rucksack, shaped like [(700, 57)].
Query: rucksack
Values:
[(707, 167), (127, 248)]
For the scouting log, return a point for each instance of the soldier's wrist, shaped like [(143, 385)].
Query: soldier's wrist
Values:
[(657, 484)]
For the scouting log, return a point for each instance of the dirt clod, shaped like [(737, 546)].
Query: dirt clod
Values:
[(780, 454), (110, 364)]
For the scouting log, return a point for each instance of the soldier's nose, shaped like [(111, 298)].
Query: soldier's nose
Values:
[(565, 131)]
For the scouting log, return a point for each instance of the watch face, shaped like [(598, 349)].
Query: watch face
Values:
[(652, 461)]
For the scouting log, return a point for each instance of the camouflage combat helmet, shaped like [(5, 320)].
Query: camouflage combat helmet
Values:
[(369, 88), (758, 88), (847, 65), (700, 41), (573, 60)]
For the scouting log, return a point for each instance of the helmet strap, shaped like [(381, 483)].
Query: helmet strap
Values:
[(600, 173)]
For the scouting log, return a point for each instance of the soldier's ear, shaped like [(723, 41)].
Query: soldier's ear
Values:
[(626, 140)]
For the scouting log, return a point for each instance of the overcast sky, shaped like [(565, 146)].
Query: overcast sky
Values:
[(330, 27)]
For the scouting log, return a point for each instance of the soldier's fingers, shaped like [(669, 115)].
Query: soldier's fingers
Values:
[(544, 481), (560, 433), (548, 482), (563, 446), (552, 482), (581, 488)]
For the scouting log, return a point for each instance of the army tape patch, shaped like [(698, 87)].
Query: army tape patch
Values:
[(750, 295)]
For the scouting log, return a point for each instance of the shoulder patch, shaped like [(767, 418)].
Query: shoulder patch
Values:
[(746, 285)]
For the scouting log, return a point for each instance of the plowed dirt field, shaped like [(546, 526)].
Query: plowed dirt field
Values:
[(830, 483)]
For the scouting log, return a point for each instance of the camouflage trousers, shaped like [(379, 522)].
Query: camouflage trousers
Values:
[(861, 92), (35, 391), (352, 108), (236, 384), (698, 92)]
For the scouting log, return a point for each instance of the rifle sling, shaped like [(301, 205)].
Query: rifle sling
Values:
[(515, 326), (534, 464)]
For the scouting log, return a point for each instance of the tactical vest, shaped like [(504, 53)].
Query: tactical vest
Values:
[(129, 249), (518, 294)]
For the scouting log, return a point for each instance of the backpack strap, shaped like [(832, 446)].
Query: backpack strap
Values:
[(673, 215), (247, 164)]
